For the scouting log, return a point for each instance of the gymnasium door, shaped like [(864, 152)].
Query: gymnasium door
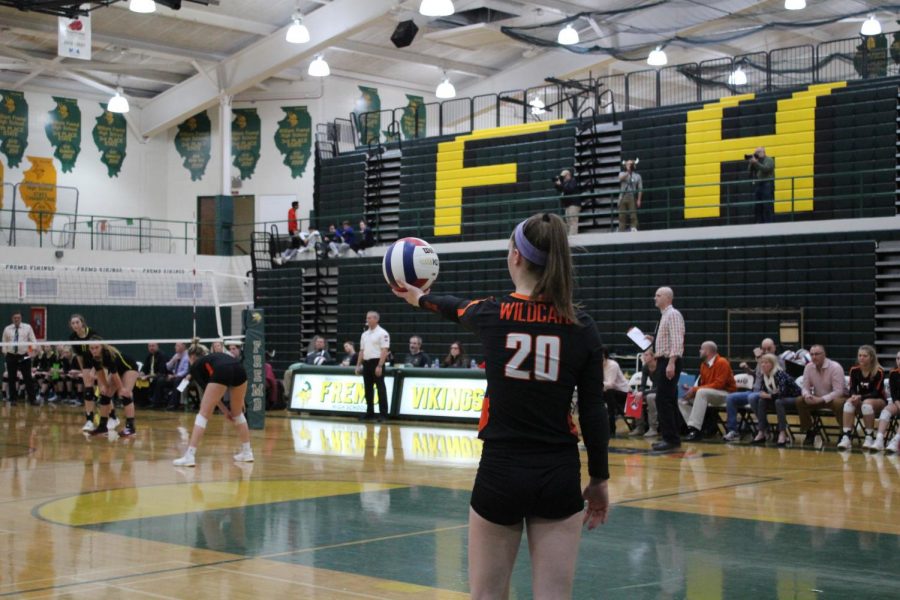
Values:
[(215, 220)]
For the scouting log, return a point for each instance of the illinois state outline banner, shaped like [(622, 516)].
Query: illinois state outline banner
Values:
[(194, 144), (38, 190), (110, 136), (369, 127), (63, 130), (245, 140), (412, 123), (13, 126), (293, 138)]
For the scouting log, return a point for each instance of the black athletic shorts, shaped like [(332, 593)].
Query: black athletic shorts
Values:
[(229, 375), (517, 480)]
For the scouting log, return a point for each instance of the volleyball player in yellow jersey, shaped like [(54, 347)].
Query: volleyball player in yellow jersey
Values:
[(538, 347)]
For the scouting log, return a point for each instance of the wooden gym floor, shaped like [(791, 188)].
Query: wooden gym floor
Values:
[(337, 509)]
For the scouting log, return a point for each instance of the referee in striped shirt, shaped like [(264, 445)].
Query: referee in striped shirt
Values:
[(668, 349)]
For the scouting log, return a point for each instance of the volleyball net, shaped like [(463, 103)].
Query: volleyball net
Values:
[(126, 306)]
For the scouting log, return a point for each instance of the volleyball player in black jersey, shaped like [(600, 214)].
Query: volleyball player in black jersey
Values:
[(116, 373), (217, 373), (538, 348), (80, 336)]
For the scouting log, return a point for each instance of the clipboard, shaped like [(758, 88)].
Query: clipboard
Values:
[(637, 336)]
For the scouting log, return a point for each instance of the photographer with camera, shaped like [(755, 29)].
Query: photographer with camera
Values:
[(568, 187), (631, 191), (762, 170)]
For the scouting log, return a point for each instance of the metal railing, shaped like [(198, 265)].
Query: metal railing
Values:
[(664, 207), (782, 68)]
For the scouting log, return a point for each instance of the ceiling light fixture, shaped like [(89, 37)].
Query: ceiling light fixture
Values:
[(118, 103), (436, 8), (567, 36), (445, 89), (657, 58), (297, 33), (794, 4), (737, 77), (142, 6), (870, 26), (318, 67)]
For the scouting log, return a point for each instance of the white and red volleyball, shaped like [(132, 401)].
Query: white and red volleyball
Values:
[(410, 260)]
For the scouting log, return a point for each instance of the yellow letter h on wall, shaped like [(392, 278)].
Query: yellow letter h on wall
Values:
[(793, 146)]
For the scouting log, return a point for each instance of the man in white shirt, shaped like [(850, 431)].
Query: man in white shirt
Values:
[(374, 347), (18, 339)]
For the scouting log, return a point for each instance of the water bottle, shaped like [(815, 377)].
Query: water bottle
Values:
[(473, 364), (436, 364)]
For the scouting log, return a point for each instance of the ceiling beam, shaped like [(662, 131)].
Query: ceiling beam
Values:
[(27, 25), (258, 62), (414, 57), (210, 17)]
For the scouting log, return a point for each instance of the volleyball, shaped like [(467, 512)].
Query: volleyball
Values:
[(410, 260)]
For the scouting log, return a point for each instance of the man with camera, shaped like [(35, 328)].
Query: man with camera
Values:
[(568, 187), (631, 190), (762, 170)]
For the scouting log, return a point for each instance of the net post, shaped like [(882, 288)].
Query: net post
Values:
[(255, 365)]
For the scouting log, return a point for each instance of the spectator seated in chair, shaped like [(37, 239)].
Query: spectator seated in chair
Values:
[(776, 386), (889, 412), (365, 239), (823, 387), (716, 382), (615, 390), (645, 393), (318, 354)]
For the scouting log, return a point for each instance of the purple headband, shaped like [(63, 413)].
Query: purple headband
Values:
[(526, 248)]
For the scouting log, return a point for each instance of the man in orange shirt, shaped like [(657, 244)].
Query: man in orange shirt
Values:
[(716, 382), (292, 219)]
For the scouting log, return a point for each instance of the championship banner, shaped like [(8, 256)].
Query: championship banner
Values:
[(370, 127), (193, 142), (412, 123), (13, 126), (245, 140), (293, 139), (74, 38), (455, 398), (255, 365), (63, 130), (333, 393), (110, 137), (38, 191)]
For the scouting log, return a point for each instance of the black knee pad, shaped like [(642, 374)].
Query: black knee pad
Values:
[(89, 395), (126, 400), (105, 400)]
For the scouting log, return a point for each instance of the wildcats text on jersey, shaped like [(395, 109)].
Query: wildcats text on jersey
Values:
[(531, 312)]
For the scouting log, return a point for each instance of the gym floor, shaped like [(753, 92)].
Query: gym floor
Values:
[(337, 509)]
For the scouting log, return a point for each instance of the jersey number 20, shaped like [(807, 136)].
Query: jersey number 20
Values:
[(546, 356)]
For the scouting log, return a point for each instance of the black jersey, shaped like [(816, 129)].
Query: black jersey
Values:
[(534, 361), (866, 387), (894, 383), (46, 360), (82, 350), (206, 368), (113, 361)]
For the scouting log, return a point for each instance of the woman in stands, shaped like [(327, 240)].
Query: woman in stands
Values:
[(889, 412), (217, 373), (866, 396), (456, 358), (776, 386), (116, 373), (538, 348), (80, 335)]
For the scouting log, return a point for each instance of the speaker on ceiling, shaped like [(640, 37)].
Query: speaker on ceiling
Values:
[(404, 33)]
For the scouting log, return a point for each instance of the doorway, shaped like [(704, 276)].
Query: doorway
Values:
[(244, 217)]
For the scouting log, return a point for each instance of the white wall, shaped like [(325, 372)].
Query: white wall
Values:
[(153, 183)]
